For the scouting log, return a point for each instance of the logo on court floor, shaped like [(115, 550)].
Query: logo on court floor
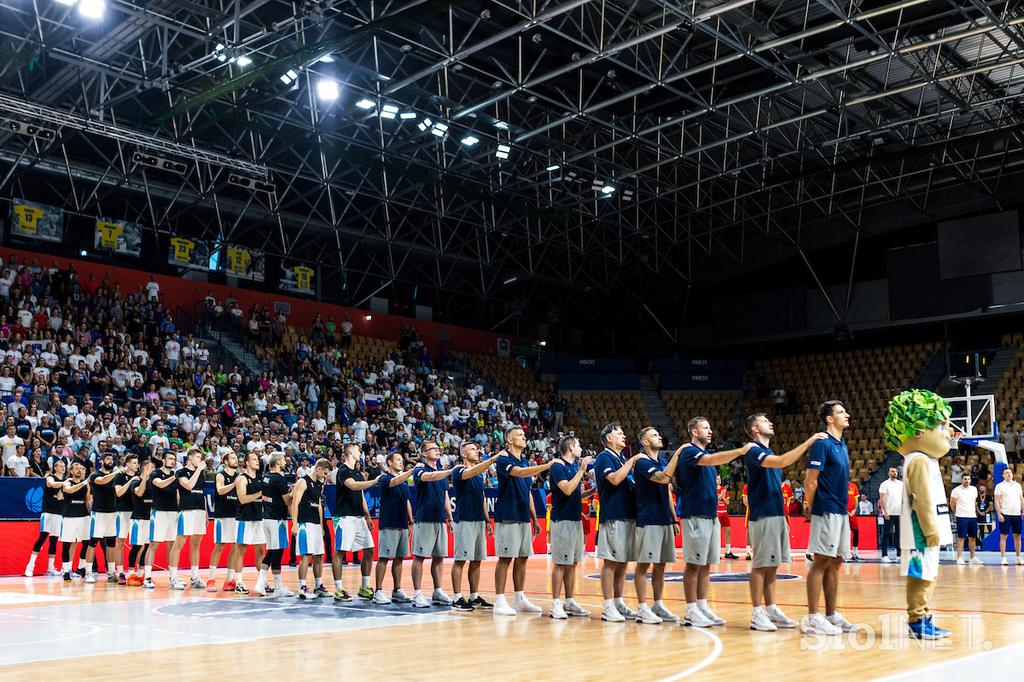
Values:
[(290, 610), (737, 577)]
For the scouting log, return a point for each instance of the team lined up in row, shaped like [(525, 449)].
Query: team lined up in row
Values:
[(638, 522)]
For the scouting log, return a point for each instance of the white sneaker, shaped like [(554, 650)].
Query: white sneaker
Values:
[(961, 562), (817, 624), (1004, 562), (90, 577), (646, 616), (611, 614), (626, 612), (501, 607), (439, 597), (711, 615), (759, 620), (840, 622), (886, 559), (419, 601), (778, 618), (259, 589), (558, 611), (693, 616), (523, 605), (380, 598), (283, 592), (174, 585), (663, 613), (148, 584), (976, 561), (574, 609), (30, 571), (400, 597), (1020, 560), (53, 572)]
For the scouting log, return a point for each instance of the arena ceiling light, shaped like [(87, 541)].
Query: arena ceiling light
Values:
[(439, 129), (327, 89), (627, 195), (607, 189), (68, 3), (424, 124), (218, 52), (290, 76), (388, 111), (501, 125), (92, 9), (469, 140), (502, 151), (243, 60), (552, 168), (327, 59), (407, 115), (365, 104)]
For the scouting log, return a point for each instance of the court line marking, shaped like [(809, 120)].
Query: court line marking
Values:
[(708, 660), (916, 672)]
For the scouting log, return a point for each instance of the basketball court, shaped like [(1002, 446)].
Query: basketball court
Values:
[(104, 631)]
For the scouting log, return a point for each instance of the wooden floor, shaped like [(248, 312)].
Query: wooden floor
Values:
[(108, 632)]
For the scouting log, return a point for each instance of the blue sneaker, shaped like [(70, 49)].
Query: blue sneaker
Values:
[(941, 632), (923, 629)]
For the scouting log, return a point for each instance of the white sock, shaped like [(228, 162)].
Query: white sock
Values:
[(641, 605), (195, 573), (458, 596), (570, 601), (609, 603), (148, 570), (365, 582), (519, 596), (728, 548), (319, 582), (693, 605), (556, 602), (500, 598), (88, 569), (302, 583), (337, 584), (262, 580), (49, 564), (658, 604), (277, 580), (770, 607), (32, 558), (174, 574), (702, 604), (213, 573), (474, 595), (417, 593), (759, 609), (619, 602)]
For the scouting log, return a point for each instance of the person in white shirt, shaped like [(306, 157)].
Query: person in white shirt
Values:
[(956, 472), (890, 506), (172, 352), (152, 289), (964, 503), (359, 428), (1009, 499), (9, 443), (864, 507), (17, 464)]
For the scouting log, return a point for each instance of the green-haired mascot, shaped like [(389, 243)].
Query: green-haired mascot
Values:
[(917, 426)]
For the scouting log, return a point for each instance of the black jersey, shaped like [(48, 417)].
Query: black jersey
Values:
[(253, 511), (348, 502), (142, 505), (309, 505), (102, 494), (123, 503), (226, 506), (164, 499), (51, 505), (190, 499), (74, 503), (275, 487)]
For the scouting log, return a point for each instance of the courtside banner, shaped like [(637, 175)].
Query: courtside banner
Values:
[(298, 278), (118, 236), (244, 261), (41, 222), (186, 252)]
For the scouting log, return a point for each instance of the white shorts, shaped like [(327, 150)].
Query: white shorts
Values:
[(309, 540), (124, 523), (164, 526), (225, 531), (103, 525), (140, 533), (250, 533), (352, 534), (276, 533), (50, 523), (192, 522), (75, 529)]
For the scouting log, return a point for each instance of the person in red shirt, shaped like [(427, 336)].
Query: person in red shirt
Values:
[(723, 517), (851, 507), (746, 519)]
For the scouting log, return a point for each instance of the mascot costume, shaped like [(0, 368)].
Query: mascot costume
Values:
[(917, 426)]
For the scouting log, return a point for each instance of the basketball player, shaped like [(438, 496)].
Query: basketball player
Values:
[(566, 477), (275, 527), (964, 503), (826, 491), (164, 484), (656, 526), (75, 512), (472, 526), (514, 517), (433, 511), (853, 494), (617, 544), (769, 532), (123, 504), (698, 512), (141, 531), (723, 516), (306, 509), (249, 490), (50, 520), (352, 523), (225, 525), (1009, 502), (103, 525), (746, 519), (394, 520), (191, 518)]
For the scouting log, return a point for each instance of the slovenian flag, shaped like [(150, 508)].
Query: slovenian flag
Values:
[(374, 402)]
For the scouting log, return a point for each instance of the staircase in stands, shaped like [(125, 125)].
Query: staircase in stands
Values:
[(658, 412)]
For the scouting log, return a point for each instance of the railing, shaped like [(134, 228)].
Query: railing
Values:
[(220, 335)]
